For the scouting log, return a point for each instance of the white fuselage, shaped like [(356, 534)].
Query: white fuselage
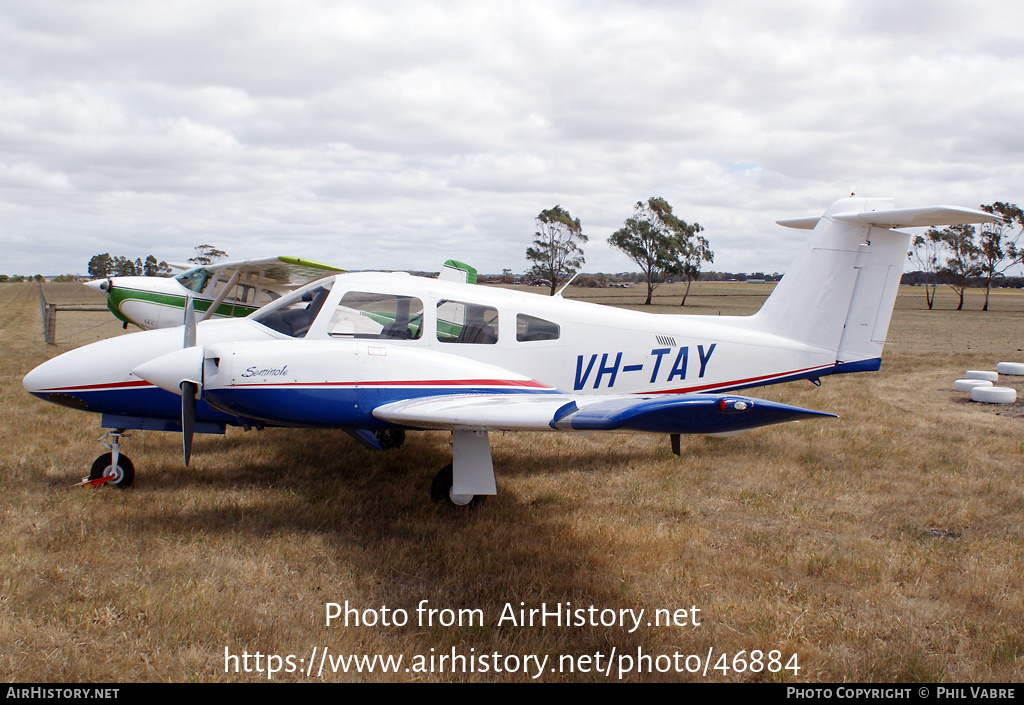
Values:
[(582, 348)]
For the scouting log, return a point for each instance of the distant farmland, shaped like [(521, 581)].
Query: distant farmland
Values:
[(885, 545)]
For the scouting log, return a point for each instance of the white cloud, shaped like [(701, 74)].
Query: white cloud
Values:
[(398, 134)]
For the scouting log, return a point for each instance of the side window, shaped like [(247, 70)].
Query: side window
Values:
[(533, 328), (266, 296), (370, 315), (460, 322), (217, 286), (244, 293)]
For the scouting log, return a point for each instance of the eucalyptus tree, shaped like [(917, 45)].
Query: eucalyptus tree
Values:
[(556, 252), (207, 254), (693, 250), (962, 262), (661, 244), (152, 268), (101, 266), (928, 249), (997, 246)]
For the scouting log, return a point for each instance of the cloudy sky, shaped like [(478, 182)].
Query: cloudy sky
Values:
[(393, 134)]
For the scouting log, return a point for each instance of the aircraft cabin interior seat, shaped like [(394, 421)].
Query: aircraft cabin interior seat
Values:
[(397, 330), (477, 334)]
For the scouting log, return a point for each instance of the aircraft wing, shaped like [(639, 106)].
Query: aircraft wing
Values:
[(666, 413), (286, 271)]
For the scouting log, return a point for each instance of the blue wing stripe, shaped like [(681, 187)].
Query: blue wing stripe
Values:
[(686, 414)]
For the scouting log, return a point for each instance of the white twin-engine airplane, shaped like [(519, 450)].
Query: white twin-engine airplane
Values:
[(378, 354)]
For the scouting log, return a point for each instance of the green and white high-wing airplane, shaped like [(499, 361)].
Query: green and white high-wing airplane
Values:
[(223, 290)]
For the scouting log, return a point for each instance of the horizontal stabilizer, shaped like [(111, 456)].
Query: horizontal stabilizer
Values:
[(690, 413), (800, 223), (918, 217), (901, 218)]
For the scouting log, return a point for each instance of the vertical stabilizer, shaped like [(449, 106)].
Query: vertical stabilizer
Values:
[(456, 271), (840, 292), (811, 303)]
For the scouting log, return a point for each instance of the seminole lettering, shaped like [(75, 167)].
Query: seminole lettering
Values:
[(265, 372)]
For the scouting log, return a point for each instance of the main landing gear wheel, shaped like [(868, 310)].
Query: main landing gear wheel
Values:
[(441, 488), (390, 438), (123, 474)]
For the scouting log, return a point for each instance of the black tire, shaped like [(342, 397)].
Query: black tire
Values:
[(125, 474), (440, 489), (390, 438)]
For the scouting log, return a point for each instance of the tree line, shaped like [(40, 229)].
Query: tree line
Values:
[(962, 256), (659, 242), (102, 266), (20, 278)]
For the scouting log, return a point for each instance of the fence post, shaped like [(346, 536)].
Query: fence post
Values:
[(49, 314), (50, 324)]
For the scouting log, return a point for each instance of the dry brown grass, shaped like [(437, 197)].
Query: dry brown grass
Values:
[(885, 545)]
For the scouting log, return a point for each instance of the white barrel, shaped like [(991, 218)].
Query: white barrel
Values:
[(982, 374), (994, 395), (1010, 368), (966, 385)]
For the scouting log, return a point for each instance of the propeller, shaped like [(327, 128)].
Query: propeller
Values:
[(190, 324), (180, 372), (188, 417), (189, 389)]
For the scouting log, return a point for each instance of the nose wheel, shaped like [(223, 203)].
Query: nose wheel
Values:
[(104, 472), (111, 468)]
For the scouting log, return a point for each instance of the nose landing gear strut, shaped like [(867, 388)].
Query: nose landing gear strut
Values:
[(111, 468)]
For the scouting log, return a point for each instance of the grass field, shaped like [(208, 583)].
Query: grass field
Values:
[(885, 545)]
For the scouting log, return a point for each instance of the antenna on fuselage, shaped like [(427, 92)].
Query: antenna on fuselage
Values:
[(559, 292)]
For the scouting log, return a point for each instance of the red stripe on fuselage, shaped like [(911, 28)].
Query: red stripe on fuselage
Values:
[(409, 383), (733, 383), (93, 387)]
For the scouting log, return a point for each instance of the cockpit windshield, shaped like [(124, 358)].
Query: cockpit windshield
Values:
[(292, 315), (194, 279)]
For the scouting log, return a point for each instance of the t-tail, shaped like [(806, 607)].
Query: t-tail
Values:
[(839, 293)]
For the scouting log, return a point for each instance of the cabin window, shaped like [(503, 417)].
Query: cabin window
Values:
[(461, 322), (218, 286), (370, 315), (266, 296), (245, 294), (295, 317), (532, 328)]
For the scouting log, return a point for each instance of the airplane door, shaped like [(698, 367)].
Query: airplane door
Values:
[(373, 378)]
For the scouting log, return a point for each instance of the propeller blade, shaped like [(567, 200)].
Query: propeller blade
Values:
[(188, 417), (190, 324)]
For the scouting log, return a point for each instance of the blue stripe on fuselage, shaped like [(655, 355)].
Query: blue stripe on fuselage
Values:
[(143, 402), (840, 368)]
